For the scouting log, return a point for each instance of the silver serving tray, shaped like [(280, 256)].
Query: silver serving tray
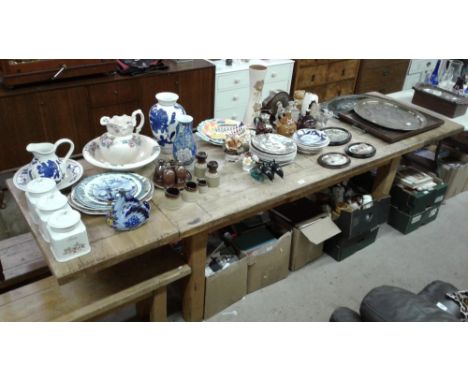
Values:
[(390, 115)]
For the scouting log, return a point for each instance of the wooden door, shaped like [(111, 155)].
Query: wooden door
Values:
[(64, 114), (20, 124), (197, 92)]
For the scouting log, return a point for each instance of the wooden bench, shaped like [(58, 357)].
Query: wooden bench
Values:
[(21, 261), (93, 296)]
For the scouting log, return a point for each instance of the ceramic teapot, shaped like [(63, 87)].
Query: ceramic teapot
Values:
[(122, 142), (46, 164)]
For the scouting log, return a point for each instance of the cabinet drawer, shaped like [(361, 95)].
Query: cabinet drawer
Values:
[(236, 113), (233, 80), (338, 89), (386, 78), (311, 76), (305, 63), (276, 73), (342, 70), (232, 98), (113, 93)]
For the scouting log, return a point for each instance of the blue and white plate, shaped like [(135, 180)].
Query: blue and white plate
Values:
[(97, 192), (73, 173), (311, 137)]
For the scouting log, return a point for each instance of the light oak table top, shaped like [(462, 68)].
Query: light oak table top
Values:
[(237, 197)]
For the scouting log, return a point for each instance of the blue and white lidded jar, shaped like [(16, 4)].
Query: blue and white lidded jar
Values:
[(162, 116), (184, 148)]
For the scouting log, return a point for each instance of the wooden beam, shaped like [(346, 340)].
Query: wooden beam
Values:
[(385, 177), (194, 293)]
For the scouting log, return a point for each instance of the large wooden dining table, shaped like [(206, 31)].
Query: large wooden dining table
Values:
[(238, 196)]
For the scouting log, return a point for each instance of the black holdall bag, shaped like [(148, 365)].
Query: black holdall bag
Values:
[(139, 66)]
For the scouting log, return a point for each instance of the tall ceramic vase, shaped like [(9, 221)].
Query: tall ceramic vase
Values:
[(257, 78), (163, 119), (184, 147)]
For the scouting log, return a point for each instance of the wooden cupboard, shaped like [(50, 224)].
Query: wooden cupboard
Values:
[(72, 109), (383, 76)]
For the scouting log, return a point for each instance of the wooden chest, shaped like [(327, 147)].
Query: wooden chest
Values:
[(383, 76), (326, 78)]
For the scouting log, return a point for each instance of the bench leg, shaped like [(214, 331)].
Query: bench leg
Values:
[(194, 292), (158, 310)]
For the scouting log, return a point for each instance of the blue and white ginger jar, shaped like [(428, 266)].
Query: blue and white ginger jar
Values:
[(163, 119), (127, 212)]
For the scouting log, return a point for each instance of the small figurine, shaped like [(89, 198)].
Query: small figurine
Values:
[(127, 212), (266, 169)]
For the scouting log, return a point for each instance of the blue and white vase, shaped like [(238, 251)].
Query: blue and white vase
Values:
[(184, 148), (162, 116), (127, 212)]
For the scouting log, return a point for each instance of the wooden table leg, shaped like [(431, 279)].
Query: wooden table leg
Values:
[(158, 310), (385, 177), (194, 293)]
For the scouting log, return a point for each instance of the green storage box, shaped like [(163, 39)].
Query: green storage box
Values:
[(406, 223), (339, 247), (413, 202)]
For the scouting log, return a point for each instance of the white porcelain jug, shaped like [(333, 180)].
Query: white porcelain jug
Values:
[(46, 164), (120, 145)]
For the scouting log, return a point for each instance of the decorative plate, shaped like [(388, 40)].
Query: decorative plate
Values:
[(73, 173), (274, 144), (310, 137), (360, 150), (148, 153), (220, 129), (338, 136), (97, 192), (333, 160), (390, 115)]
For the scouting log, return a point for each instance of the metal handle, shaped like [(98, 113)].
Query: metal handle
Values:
[(235, 98), (273, 75), (59, 72), (236, 81)]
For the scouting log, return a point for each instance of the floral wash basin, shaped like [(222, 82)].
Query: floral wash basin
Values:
[(148, 152)]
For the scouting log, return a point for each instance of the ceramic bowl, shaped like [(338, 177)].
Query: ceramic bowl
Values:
[(190, 192), (148, 153)]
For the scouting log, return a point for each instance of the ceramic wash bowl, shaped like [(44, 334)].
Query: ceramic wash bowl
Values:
[(148, 152)]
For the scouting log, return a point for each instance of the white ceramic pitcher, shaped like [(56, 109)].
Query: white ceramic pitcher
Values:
[(121, 145), (46, 164)]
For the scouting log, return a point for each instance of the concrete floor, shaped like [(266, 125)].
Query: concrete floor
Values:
[(438, 250)]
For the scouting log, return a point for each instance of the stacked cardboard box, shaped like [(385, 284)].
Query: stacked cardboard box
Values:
[(412, 208)]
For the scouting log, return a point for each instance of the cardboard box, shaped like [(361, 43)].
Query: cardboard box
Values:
[(310, 228), (225, 287), (413, 202), (267, 257), (359, 222), (406, 223), (341, 247)]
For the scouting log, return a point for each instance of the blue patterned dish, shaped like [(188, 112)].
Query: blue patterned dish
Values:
[(74, 172), (310, 137), (97, 192), (127, 212)]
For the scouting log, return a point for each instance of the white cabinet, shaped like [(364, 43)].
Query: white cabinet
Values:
[(232, 84)]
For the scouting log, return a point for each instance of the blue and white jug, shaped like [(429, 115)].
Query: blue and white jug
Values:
[(46, 164), (163, 119)]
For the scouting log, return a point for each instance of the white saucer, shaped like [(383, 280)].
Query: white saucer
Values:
[(74, 172), (149, 152)]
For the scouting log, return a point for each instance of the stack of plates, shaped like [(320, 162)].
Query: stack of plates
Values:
[(269, 147), (310, 141), (94, 194), (215, 131)]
